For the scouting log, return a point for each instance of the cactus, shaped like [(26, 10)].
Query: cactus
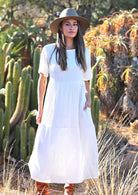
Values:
[(19, 64), (4, 47), (27, 95), (10, 70), (29, 68), (9, 48), (35, 78), (20, 100), (96, 113), (5, 143), (7, 109), (17, 139), (23, 143), (1, 128), (2, 60), (17, 100), (92, 102), (7, 59), (16, 75), (95, 104), (31, 139), (93, 80)]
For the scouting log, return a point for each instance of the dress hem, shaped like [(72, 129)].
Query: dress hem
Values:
[(49, 181)]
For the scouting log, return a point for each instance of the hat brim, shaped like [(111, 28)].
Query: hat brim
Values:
[(84, 23)]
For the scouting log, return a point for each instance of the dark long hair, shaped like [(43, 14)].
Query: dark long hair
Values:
[(60, 49)]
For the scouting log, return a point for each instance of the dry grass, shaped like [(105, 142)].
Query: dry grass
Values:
[(116, 176)]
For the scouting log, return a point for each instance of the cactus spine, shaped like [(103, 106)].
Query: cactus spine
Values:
[(23, 141), (1, 128), (7, 108)]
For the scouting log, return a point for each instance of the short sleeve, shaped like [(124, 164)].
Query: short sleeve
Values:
[(43, 64), (87, 75)]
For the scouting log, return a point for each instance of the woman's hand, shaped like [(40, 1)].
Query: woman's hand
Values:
[(88, 95), (39, 117), (88, 102)]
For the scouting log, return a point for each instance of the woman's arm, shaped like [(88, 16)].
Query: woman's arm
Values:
[(88, 95), (41, 91)]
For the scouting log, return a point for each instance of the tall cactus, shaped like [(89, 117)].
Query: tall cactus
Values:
[(1, 128), (2, 61), (9, 48), (7, 109), (23, 143), (95, 104), (35, 78), (92, 101), (31, 139), (27, 95), (13, 127), (96, 113), (20, 100), (4, 47), (17, 139), (10, 70), (7, 60), (93, 80), (16, 75)]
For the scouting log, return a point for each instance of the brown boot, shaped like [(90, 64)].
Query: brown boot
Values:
[(69, 189), (42, 188)]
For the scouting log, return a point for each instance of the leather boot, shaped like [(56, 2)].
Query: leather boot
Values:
[(69, 189), (42, 188)]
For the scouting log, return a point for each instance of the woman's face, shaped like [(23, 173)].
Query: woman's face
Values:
[(69, 28)]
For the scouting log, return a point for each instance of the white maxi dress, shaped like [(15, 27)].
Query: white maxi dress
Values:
[(65, 148)]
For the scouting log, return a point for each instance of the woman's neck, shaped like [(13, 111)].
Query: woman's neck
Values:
[(70, 44)]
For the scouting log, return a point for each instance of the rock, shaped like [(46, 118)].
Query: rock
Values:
[(129, 108)]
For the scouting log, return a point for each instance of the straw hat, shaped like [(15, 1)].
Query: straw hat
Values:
[(69, 13)]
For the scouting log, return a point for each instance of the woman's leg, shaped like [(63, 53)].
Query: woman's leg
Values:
[(42, 188), (69, 189)]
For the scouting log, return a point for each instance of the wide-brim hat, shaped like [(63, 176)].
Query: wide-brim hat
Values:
[(69, 13)]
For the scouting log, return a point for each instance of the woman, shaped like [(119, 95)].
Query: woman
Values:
[(65, 148)]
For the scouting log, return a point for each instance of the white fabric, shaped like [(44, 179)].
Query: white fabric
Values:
[(65, 148)]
